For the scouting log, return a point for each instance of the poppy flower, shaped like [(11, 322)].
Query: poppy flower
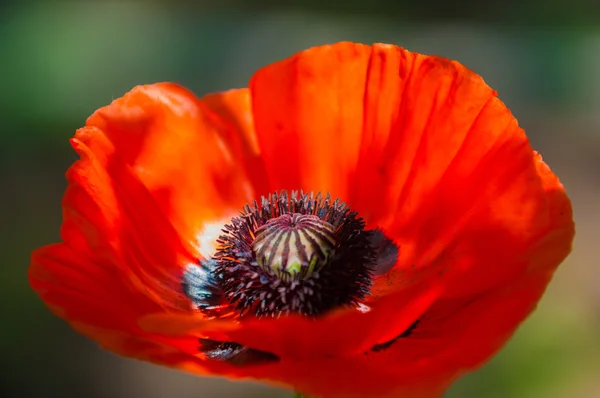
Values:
[(362, 221)]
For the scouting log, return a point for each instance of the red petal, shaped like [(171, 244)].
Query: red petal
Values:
[(234, 107), (180, 150), (95, 300), (97, 303), (438, 162), (460, 335), (301, 338), (419, 145), (308, 112), (111, 219)]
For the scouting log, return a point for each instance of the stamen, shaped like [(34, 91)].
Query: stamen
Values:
[(297, 253)]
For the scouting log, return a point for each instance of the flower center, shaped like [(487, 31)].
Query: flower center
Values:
[(294, 246), (297, 253)]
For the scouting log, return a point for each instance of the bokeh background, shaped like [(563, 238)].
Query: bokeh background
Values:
[(59, 61)]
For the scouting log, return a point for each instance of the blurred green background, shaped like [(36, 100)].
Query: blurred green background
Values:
[(61, 60)]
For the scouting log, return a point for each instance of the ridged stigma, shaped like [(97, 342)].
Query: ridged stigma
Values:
[(294, 246)]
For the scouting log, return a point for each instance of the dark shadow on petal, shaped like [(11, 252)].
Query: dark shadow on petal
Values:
[(200, 286), (235, 354), (388, 344), (386, 252)]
